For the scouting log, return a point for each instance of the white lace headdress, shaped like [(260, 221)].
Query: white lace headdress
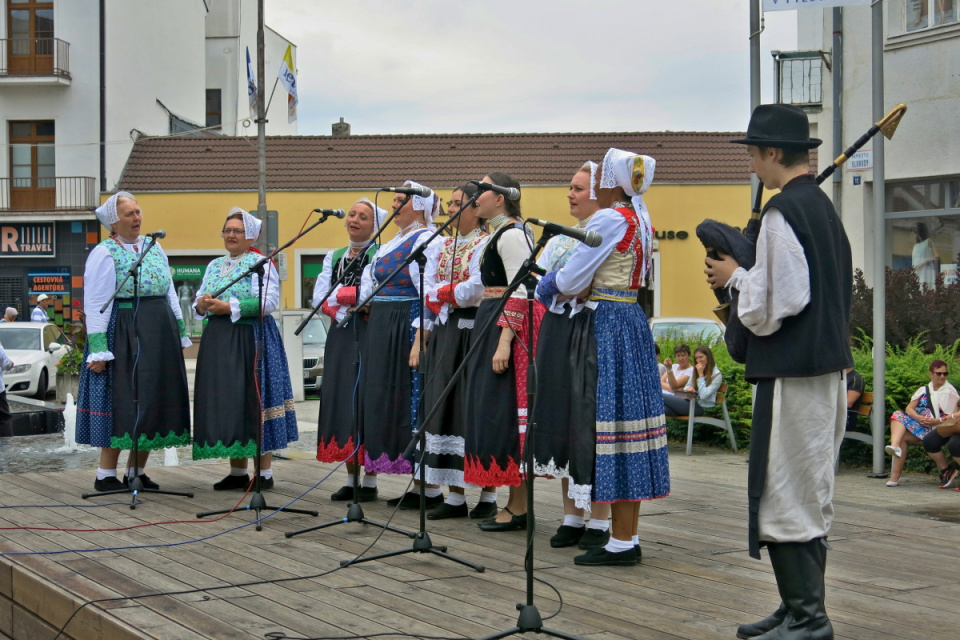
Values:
[(634, 173), (379, 213), (593, 179), (430, 205), (251, 225), (107, 212)]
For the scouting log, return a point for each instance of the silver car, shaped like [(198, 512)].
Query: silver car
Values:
[(707, 329), (314, 338)]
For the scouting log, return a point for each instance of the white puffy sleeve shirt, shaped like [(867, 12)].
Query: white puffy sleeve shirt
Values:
[(778, 285)]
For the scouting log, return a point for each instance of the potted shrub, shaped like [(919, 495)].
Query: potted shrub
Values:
[(68, 369)]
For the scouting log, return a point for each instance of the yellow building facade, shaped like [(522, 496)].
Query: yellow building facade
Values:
[(192, 221)]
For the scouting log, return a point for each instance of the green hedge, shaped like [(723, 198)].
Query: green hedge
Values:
[(906, 370)]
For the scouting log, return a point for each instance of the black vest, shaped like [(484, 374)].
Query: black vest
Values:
[(815, 341), (492, 271)]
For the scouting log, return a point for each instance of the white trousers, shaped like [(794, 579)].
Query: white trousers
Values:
[(809, 418)]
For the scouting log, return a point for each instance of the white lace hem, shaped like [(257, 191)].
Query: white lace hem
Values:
[(445, 445), (449, 477), (581, 494), (185, 342), (100, 356)]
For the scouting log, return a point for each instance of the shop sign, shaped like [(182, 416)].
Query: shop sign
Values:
[(27, 240), (188, 272), (58, 283), (671, 235)]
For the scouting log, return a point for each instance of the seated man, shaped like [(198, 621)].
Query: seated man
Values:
[(855, 388)]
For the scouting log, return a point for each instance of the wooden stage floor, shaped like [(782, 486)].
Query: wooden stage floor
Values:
[(892, 572)]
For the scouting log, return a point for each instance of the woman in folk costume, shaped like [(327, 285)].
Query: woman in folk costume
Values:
[(235, 387), (453, 292), (497, 375), (570, 407), (628, 432), (338, 390), (391, 355), (142, 328)]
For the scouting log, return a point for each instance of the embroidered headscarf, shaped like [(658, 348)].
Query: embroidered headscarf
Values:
[(429, 205), (593, 178), (251, 225), (107, 212), (379, 214), (634, 173)]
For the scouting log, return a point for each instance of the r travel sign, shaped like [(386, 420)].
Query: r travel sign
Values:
[(28, 240)]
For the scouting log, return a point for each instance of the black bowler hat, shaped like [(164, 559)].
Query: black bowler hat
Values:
[(779, 125)]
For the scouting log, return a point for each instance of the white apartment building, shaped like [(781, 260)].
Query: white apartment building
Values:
[(80, 80), (921, 43)]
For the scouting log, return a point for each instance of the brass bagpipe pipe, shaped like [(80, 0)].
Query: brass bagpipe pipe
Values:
[(722, 239)]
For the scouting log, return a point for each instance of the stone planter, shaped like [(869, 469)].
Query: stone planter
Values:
[(67, 383)]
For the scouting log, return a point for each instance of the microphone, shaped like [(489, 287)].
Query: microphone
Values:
[(423, 192), (589, 238), (156, 235), (336, 213), (509, 193)]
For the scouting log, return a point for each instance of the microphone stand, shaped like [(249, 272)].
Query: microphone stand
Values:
[(422, 542), (354, 510), (134, 485), (257, 502)]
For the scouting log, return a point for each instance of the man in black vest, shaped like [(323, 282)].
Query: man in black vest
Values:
[(796, 303)]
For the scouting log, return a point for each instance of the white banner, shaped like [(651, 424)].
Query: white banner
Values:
[(790, 5)]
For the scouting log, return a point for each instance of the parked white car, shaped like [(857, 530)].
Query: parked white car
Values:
[(35, 348), (676, 327)]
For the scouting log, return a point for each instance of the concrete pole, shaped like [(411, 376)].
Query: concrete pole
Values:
[(879, 415), (261, 130), (754, 79)]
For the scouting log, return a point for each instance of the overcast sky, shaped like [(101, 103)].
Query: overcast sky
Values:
[(482, 66)]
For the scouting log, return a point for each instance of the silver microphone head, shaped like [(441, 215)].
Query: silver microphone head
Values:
[(592, 238)]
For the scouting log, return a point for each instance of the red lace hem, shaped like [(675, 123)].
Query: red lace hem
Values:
[(332, 452)]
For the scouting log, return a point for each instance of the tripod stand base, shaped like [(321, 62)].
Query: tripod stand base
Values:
[(257, 504), (421, 544), (136, 488), (354, 514), (530, 622)]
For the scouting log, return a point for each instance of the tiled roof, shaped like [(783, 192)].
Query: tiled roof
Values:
[(438, 160)]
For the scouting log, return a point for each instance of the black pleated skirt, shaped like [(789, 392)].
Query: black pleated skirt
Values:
[(565, 415), (339, 391), (389, 387), (492, 443), (226, 411), (446, 430)]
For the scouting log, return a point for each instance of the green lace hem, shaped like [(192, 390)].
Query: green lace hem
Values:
[(97, 342), (236, 450), (182, 326), (151, 444), (249, 308)]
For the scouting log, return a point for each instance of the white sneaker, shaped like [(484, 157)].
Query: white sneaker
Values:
[(893, 483), (893, 451)]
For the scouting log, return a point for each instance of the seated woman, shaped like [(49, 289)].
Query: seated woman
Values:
[(705, 383), (679, 373), (927, 407)]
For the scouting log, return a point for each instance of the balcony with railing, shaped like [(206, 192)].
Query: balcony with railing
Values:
[(34, 61), (55, 194)]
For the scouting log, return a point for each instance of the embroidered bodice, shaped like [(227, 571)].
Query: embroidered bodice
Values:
[(154, 274)]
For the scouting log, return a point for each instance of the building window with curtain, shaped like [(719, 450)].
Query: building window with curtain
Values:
[(33, 165), (921, 14)]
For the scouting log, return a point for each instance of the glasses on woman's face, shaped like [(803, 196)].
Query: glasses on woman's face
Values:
[(939, 373), (232, 232)]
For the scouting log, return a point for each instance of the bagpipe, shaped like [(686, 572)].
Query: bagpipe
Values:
[(719, 239)]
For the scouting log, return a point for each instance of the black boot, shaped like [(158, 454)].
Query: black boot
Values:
[(799, 568), (770, 622)]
